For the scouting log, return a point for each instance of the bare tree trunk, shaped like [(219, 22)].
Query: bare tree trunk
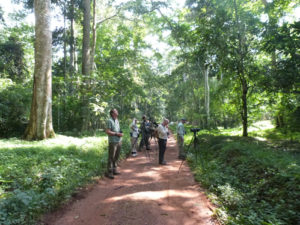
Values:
[(241, 72), (94, 26), (245, 108), (207, 97), (86, 38), (72, 49), (40, 123), (65, 44), (86, 64)]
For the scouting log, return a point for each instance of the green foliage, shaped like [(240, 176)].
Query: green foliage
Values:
[(12, 59), (15, 101), (36, 177), (252, 183)]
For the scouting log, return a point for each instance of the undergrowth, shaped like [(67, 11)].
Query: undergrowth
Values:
[(36, 177), (248, 181)]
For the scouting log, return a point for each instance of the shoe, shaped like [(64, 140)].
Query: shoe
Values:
[(148, 148), (116, 173), (163, 163), (134, 154), (109, 175)]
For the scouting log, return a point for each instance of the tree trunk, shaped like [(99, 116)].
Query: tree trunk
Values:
[(86, 65), (241, 71), (40, 123), (72, 49), (207, 97), (65, 44), (86, 38), (94, 26), (245, 108)]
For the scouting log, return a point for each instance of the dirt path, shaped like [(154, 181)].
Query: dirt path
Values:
[(144, 194)]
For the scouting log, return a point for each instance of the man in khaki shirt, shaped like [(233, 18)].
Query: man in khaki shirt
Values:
[(114, 143)]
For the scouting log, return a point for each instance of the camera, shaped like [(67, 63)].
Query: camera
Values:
[(195, 130), (155, 124)]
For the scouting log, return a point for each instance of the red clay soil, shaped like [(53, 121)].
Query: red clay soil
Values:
[(145, 193)]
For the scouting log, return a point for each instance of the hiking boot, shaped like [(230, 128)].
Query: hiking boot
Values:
[(116, 172), (163, 163), (134, 154), (109, 175)]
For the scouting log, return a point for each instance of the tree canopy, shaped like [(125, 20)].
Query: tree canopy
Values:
[(218, 63)]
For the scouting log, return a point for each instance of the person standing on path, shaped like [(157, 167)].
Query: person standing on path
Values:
[(134, 133), (114, 143), (180, 138), (163, 132)]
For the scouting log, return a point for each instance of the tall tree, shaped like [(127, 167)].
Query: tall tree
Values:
[(86, 63), (86, 38), (72, 41), (40, 123)]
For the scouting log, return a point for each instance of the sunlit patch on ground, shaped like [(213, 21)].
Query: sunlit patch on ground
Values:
[(257, 126), (59, 140), (261, 125), (154, 195)]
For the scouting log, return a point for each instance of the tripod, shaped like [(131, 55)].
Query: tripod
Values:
[(145, 141), (195, 143)]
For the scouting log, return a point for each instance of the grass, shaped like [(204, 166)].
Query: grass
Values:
[(251, 180), (36, 177)]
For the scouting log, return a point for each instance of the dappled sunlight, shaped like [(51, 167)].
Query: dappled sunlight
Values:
[(261, 125), (260, 138), (257, 126), (127, 171), (84, 143), (58, 140), (153, 195), (150, 173), (156, 169)]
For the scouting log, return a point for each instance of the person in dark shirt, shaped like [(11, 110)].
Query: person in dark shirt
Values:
[(145, 132)]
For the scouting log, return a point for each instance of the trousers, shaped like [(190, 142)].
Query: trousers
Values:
[(114, 149), (162, 144)]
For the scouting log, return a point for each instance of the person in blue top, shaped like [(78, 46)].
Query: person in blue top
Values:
[(114, 143), (180, 138), (134, 133)]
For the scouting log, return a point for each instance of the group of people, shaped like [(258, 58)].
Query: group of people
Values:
[(146, 130)]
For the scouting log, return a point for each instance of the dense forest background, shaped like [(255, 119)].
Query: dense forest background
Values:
[(217, 63), (230, 67)]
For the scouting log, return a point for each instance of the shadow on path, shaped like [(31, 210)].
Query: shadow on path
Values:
[(146, 193)]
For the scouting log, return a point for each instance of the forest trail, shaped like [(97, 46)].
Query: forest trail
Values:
[(144, 194)]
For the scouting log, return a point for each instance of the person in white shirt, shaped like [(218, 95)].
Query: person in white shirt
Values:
[(163, 132), (134, 133)]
